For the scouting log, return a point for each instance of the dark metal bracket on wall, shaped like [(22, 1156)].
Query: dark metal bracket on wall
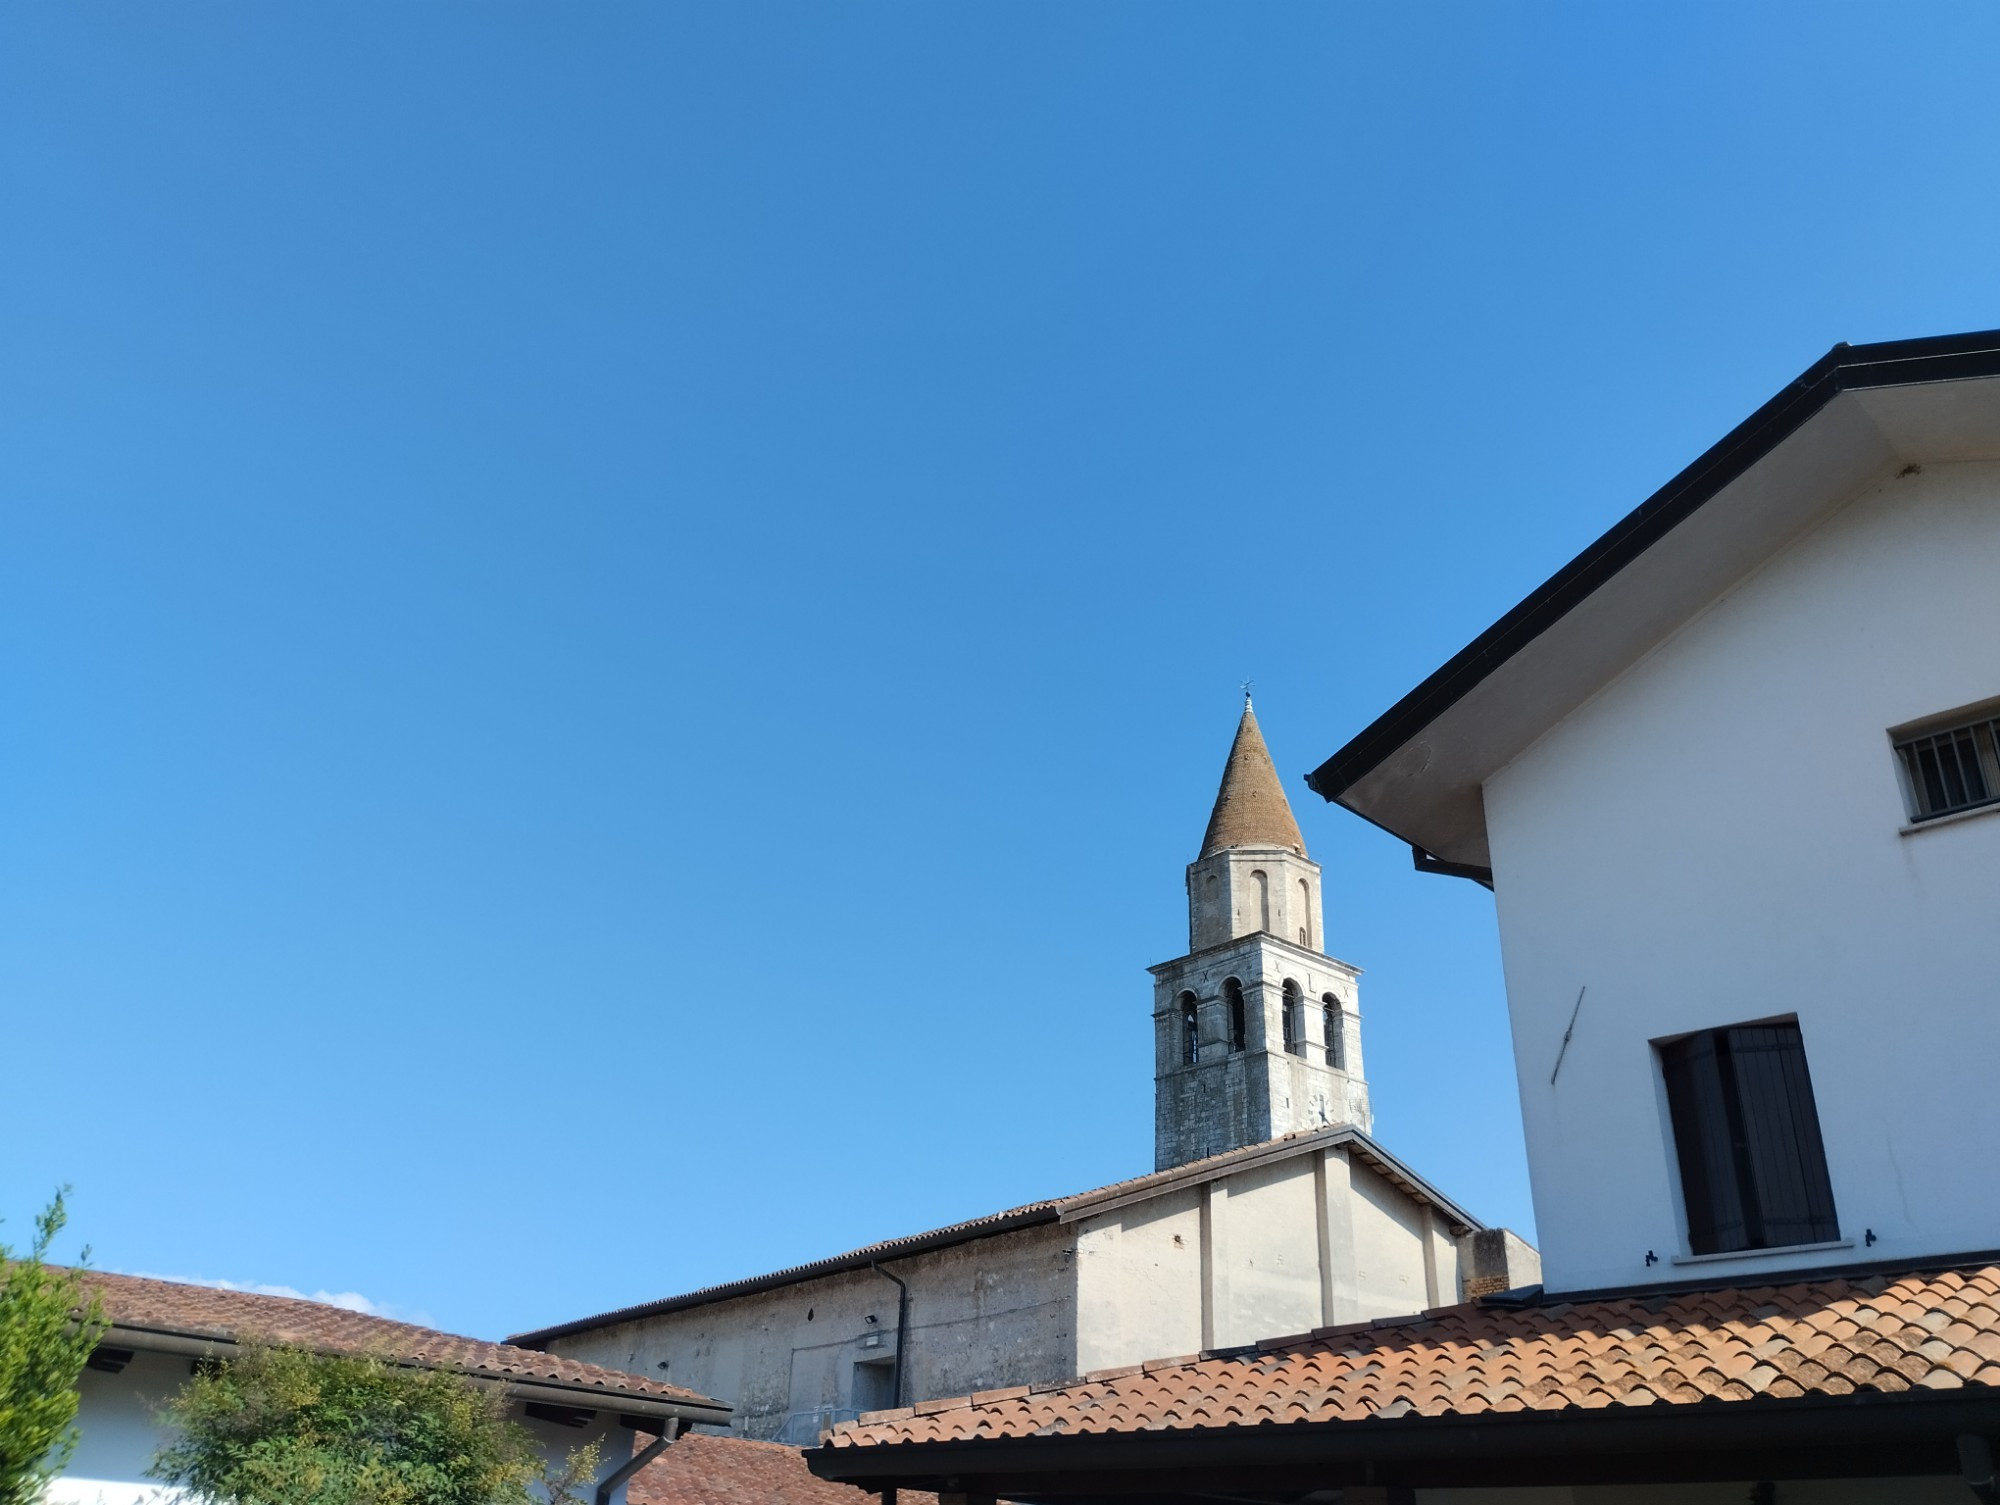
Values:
[(1425, 863)]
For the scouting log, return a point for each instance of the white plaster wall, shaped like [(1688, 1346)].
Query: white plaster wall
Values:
[(1139, 1282), (1389, 1238), (1714, 839), (1252, 1255), (118, 1436), (1264, 1223)]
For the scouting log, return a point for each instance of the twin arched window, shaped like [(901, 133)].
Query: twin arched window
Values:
[(1334, 1024)]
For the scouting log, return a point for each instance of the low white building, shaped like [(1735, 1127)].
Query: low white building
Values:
[(161, 1329)]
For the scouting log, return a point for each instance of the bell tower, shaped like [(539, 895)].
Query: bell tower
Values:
[(1256, 1030)]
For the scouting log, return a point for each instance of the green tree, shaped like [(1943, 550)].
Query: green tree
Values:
[(49, 1322), (285, 1426)]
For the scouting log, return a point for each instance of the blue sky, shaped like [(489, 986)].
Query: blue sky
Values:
[(617, 621)]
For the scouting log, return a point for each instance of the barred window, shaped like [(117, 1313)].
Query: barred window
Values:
[(1334, 1026), (1294, 1022), (1956, 768)]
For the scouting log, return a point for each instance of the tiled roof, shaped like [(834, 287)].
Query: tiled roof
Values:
[(1831, 1337), (1028, 1215), (704, 1470), (1250, 808), (141, 1305)]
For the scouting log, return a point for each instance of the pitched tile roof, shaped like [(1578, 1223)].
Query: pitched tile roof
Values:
[(1028, 1215), (1250, 807), (704, 1470), (1831, 1337), (138, 1305)]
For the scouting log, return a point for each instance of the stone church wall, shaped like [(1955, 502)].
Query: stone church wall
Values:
[(996, 1311)]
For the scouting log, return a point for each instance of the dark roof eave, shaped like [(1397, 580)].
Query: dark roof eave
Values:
[(1866, 1433), (1845, 368)]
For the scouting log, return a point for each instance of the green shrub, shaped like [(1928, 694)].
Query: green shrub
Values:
[(49, 1323), (285, 1426)]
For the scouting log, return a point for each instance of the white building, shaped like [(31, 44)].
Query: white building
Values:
[(160, 1329), (1272, 1210), (1733, 776), (1734, 769)]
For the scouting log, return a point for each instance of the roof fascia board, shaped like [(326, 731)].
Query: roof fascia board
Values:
[(1088, 1204), (1304, 953), (1430, 791), (1177, 1178), (1844, 368)]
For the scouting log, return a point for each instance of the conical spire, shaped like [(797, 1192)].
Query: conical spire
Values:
[(1250, 808)]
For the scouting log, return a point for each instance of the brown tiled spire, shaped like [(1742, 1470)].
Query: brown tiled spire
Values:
[(1251, 809)]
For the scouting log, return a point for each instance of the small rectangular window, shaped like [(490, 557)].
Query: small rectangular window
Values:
[(1746, 1135), (1952, 768), (874, 1385)]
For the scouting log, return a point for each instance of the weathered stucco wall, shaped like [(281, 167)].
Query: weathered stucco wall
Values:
[(997, 1311), (1276, 1248)]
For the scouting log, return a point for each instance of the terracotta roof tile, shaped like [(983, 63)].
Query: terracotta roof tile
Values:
[(169, 1307), (704, 1470), (1250, 808), (1827, 1337)]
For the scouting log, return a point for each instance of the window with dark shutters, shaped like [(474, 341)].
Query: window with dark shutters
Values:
[(1746, 1134)]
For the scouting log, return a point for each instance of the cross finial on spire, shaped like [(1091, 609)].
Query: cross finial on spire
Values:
[(1246, 690)]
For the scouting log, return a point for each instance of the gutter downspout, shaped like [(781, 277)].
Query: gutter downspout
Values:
[(668, 1432), (1975, 1466), (902, 1325)]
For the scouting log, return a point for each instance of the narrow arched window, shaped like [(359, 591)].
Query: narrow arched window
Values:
[(1239, 1032), (1305, 914), (1190, 1031), (1294, 1019), (1263, 882), (1335, 1025)]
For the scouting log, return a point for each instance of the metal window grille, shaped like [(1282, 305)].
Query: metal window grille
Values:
[(1335, 1030), (1954, 769)]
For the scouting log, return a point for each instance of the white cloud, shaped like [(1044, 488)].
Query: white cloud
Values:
[(347, 1301)]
